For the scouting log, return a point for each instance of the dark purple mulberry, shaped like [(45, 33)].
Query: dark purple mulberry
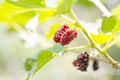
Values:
[(82, 61), (95, 64)]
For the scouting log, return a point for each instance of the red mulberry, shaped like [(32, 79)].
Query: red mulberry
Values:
[(82, 61), (60, 32), (64, 36), (67, 37)]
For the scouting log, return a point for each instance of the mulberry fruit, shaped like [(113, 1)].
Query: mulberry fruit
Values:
[(82, 61), (95, 64), (60, 32), (67, 37), (64, 36)]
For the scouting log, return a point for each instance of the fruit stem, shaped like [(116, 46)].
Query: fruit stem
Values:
[(77, 48)]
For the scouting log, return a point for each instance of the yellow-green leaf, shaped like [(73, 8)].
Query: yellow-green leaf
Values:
[(116, 11), (22, 18), (7, 10), (108, 24), (46, 14), (100, 38), (64, 6), (52, 30), (10, 12), (43, 57), (28, 3)]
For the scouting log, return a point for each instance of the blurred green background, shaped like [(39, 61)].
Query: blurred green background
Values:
[(14, 50)]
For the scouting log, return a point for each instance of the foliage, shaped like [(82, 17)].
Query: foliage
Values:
[(29, 64), (100, 38), (21, 11), (43, 56), (108, 24)]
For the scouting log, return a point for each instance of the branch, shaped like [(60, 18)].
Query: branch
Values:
[(102, 8), (106, 13), (114, 63), (93, 44)]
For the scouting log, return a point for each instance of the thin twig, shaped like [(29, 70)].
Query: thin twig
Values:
[(79, 47)]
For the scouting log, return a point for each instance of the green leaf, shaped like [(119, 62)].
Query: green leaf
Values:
[(29, 63), (58, 49), (52, 30), (46, 14), (117, 27), (86, 3), (116, 11), (108, 24), (11, 13), (7, 10), (113, 21), (64, 6), (100, 38), (43, 57), (22, 18), (28, 3)]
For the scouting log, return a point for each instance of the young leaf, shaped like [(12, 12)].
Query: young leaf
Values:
[(11, 13), (108, 24), (28, 3), (64, 6), (117, 27), (52, 30), (58, 49), (116, 12), (100, 38), (22, 18), (43, 57), (29, 63), (86, 3), (46, 14), (7, 10)]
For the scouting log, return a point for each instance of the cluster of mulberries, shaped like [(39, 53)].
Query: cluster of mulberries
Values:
[(82, 61), (64, 36)]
